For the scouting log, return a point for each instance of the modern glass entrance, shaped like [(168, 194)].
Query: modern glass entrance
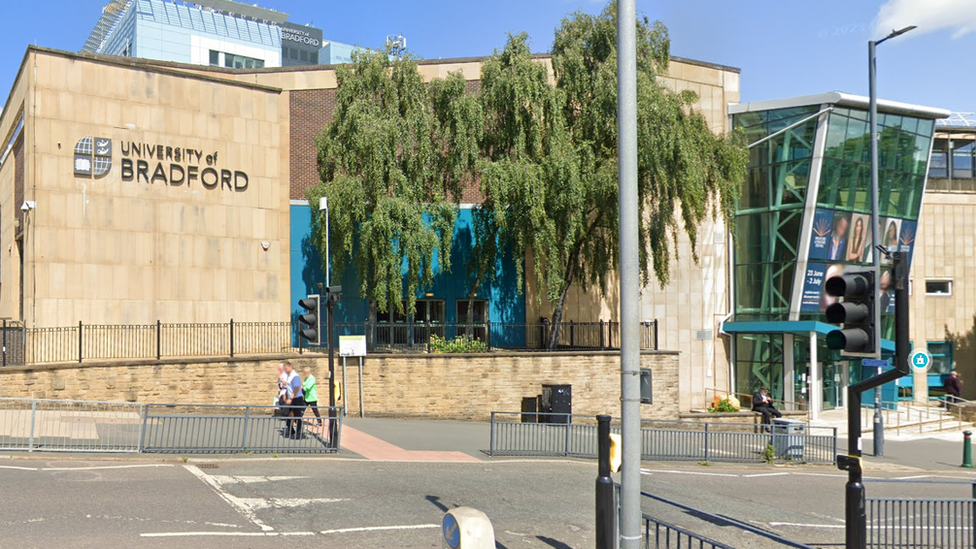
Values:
[(802, 217)]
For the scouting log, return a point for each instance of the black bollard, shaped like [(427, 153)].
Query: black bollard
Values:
[(606, 510)]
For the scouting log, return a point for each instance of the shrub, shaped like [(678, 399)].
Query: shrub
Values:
[(730, 404), (460, 344)]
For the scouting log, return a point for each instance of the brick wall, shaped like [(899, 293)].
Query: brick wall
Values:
[(311, 111), (460, 387)]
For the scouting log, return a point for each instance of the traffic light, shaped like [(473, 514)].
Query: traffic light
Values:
[(308, 322), (855, 311)]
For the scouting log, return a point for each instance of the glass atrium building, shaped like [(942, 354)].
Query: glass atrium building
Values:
[(804, 216)]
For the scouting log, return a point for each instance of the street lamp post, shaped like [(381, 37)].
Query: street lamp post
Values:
[(854, 502), (875, 220)]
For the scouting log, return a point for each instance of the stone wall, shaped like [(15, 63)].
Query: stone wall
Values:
[(460, 387)]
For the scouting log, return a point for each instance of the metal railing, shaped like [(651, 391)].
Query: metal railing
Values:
[(69, 425), (22, 345), (224, 429), (658, 534), (945, 523), (415, 336), (547, 434), (150, 341), (936, 414)]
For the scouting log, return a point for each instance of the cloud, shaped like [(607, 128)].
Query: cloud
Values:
[(955, 16)]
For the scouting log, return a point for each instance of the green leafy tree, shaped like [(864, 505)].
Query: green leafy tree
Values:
[(392, 163), (550, 174)]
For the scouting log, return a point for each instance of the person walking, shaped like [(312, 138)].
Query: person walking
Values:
[(295, 402), (311, 394), (953, 387)]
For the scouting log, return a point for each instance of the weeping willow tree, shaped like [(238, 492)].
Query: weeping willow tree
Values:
[(392, 163), (549, 158)]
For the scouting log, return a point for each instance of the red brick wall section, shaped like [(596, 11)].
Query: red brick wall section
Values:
[(311, 112)]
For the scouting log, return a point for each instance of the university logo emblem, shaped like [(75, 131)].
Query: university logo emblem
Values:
[(93, 156)]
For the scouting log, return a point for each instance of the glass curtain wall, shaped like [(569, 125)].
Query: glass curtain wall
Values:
[(759, 363), (770, 210), (845, 184)]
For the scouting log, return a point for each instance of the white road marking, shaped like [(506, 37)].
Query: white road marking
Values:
[(211, 534), (225, 479), (222, 524), (234, 501), (801, 525), (106, 467), (280, 503), (379, 528), (819, 475), (765, 475), (18, 468), (700, 473)]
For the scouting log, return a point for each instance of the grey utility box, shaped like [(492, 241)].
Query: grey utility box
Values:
[(788, 438)]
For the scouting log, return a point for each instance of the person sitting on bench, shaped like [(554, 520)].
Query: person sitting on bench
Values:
[(762, 403)]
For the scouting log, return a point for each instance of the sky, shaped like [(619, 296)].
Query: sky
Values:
[(784, 48)]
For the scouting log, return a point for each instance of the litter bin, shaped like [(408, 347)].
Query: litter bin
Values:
[(788, 436)]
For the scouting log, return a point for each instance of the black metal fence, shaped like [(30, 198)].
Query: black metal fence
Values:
[(658, 534), (23, 345), (945, 523), (416, 336), (227, 429), (547, 434)]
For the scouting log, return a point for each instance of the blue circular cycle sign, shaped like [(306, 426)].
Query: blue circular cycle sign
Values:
[(452, 533), (920, 360)]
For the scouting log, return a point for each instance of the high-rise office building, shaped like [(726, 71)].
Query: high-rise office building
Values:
[(210, 32)]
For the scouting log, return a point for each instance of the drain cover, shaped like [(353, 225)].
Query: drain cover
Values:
[(207, 466)]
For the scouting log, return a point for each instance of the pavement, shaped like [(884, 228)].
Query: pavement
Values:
[(393, 481)]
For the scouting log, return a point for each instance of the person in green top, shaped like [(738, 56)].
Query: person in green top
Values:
[(311, 393)]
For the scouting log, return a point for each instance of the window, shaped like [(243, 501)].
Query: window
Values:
[(478, 319), (938, 287), (391, 326), (232, 61), (313, 57), (303, 56), (962, 159), (939, 165), (214, 58), (428, 320), (941, 352)]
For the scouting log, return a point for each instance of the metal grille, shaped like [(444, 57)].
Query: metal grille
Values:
[(543, 434), (935, 523), (69, 426), (661, 535), (227, 429)]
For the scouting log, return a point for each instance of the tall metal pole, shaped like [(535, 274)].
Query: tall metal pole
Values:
[(875, 233), (630, 509), (875, 222)]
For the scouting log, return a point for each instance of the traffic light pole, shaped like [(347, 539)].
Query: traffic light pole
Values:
[(854, 503), (333, 425)]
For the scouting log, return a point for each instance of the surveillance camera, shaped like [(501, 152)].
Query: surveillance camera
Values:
[(26, 206)]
